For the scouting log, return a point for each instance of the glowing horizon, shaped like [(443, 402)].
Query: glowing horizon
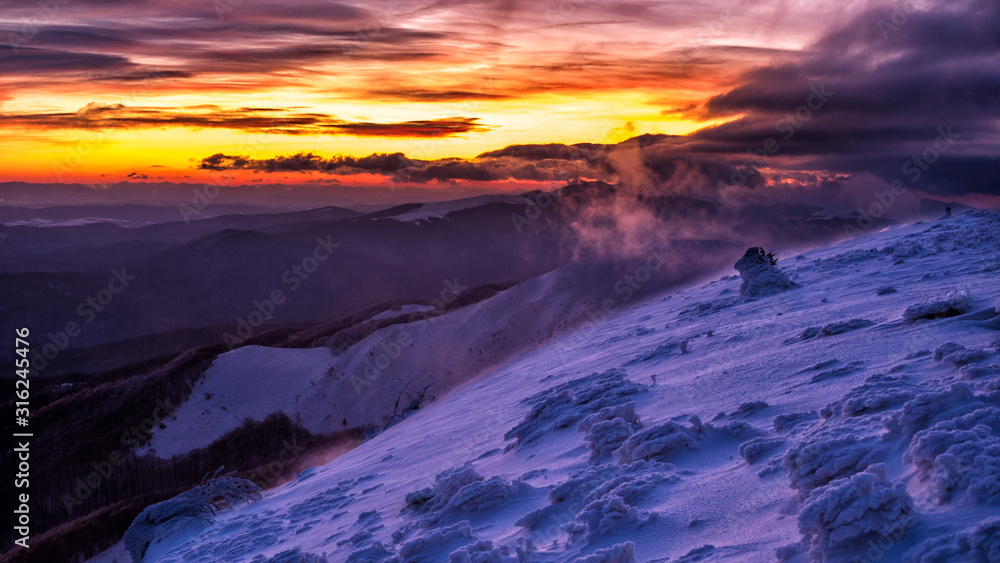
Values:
[(106, 92)]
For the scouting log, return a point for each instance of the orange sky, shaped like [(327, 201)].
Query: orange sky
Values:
[(146, 90), (567, 71)]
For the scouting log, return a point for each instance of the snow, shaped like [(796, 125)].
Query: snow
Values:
[(319, 388), (440, 210), (404, 310), (591, 447)]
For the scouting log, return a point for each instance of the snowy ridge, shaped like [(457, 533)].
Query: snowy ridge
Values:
[(319, 388), (852, 417), (439, 210)]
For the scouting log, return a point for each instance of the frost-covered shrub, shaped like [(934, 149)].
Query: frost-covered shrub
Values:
[(750, 408), (812, 464), (624, 411), (293, 556), (845, 513), (839, 371), (484, 551), (958, 354), (951, 306), (903, 249), (736, 429), (568, 403), (600, 499), (784, 421), (961, 453), (605, 437), (191, 509), (754, 449), (980, 544), (426, 546), (460, 490), (618, 553), (844, 326), (605, 516), (659, 442), (979, 371), (446, 485), (483, 495), (760, 276), (608, 429), (877, 394), (375, 553), (918, 412)]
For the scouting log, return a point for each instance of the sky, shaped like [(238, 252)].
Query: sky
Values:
[(732, 94)]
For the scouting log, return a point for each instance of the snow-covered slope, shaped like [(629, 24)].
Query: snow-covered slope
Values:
[(320, 389), (853, 417)]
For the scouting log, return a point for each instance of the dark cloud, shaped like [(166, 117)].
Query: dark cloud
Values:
[(263, 120), (654, 164), (895, 78)]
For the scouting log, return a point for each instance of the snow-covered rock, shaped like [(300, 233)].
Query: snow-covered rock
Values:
[(760, 276)]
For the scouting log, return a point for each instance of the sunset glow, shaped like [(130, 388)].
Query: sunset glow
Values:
[(145, 91)]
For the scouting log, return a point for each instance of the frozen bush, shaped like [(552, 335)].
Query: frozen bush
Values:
[(842, 515), (446, 485), (750, 408), (618, 553), (483, 495), (568, 403), (658, 442), (425, 547), (605, 437), (812, 464), (980, 544), (961, 453), (754, 449), (737, 429), (978, 371), (191, 509), (460, 490), (484, 551), (945, 349), (839, 371), (879, 393), (784, 421), (375, 553), (624, 411), (918, 412), (600, 499), (760, 276), (293, 556), (951, 306)]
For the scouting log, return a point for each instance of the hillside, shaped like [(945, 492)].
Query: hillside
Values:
[(856, 415)]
